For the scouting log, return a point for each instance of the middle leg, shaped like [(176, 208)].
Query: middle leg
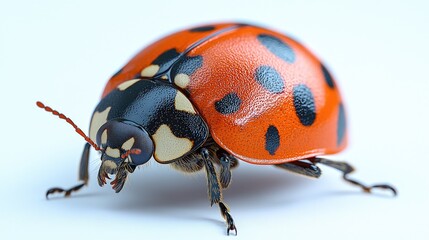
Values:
[(205, 159)]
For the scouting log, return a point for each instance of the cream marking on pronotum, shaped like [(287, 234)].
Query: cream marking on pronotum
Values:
[(98, 119), (182, 103), (168, 146), (127, 84), (182, 80), (128, 144), (113, 152), (104, 137), (149, 71)]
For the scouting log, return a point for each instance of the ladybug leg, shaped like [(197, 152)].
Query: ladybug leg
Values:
[(308, 169), (215, 193), (226, 162), (215, 190), (346, 169), (224, 210), (83, 175), (225, 171)]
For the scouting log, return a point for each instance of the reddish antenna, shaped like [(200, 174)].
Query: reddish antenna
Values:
[(68, 120), (131, 151)]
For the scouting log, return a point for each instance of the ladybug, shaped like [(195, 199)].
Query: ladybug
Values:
[(211, 96)]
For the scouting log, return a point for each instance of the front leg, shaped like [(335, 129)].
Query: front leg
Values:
[(83, 175), (213, 184), (215, 190)]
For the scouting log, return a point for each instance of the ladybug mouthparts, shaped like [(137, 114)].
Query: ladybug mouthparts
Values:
[(110, 167)]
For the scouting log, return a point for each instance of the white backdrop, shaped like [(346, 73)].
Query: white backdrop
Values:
[(63, 52)]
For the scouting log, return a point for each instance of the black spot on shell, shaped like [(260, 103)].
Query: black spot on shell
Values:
[(328, 77), (277, 47), (270, 79), (187, 65), (272, 139), (164, 60), (230, 103), (341, 128), (303, 102), (166, 57), (202, 29)]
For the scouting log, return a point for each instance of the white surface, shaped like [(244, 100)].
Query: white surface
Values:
[(63, 53)]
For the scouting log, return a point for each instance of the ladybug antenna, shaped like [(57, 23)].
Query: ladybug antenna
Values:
[(69, 121), (131, 151)]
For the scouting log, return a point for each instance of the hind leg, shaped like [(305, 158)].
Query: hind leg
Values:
[(346, 169), (308, 169)]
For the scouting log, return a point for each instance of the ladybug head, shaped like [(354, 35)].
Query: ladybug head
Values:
[(124, 141), (124, 146)]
